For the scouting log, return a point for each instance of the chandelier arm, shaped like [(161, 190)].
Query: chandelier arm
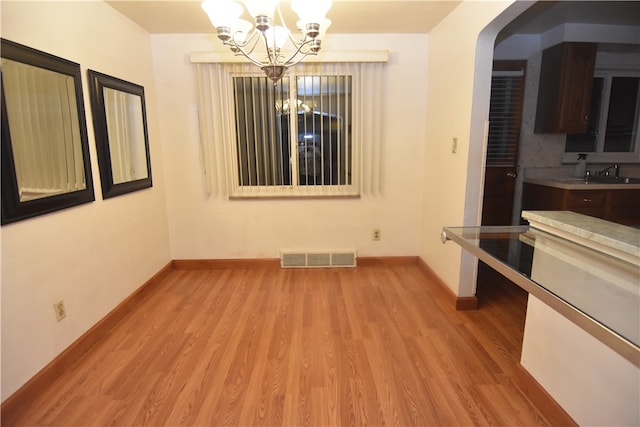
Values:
[(292, 61), (307, 51), (297, 43), (272, 54), (240, 51), (243, 46)]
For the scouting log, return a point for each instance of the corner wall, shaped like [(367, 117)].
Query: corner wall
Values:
[(95, 255)]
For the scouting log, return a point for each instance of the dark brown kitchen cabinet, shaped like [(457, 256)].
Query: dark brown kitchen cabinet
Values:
[(616, 205), (564, 92), (623, 207)]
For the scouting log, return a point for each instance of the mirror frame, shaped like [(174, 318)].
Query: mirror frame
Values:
[(13, 209), (97, 82)]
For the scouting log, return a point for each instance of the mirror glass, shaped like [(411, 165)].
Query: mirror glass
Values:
[(125, 128), (46, 144), (45, 159), (120, 125)]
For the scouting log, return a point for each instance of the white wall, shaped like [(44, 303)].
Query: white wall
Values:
[(213, 227), (95, 255), (458, 78), (593, 384)]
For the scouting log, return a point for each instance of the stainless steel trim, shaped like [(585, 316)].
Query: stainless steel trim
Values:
[(613, 340)]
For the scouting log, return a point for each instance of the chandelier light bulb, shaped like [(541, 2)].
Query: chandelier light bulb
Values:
[(311, 11), (324, 26), (263, 42), (222, 13), (261, 7), (314, 30), (240, 30), (276, 37)]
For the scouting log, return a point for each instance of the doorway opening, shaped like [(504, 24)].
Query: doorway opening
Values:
[(501, 164)]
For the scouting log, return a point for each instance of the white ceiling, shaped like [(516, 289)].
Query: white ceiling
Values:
[(386, 16), (348, 16)]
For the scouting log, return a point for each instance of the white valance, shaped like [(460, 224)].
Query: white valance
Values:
[(328, 56)]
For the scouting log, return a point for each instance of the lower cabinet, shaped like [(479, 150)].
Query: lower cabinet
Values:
[(619, 205)]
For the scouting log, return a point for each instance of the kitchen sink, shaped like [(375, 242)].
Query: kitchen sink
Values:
[(600, 180), (612, 180)]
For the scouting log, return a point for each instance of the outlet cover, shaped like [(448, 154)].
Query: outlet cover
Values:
[(61, 312)]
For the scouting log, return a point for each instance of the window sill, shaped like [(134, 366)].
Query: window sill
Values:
[(295, 196), (282, 193)]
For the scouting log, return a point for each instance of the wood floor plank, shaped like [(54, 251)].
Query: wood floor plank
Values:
[(237, 346)]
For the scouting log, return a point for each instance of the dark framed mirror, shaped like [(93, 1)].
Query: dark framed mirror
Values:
[(45, 153), (122, 141)]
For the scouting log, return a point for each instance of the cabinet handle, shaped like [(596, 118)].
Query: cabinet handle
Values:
[(512, 174), (587, 200)]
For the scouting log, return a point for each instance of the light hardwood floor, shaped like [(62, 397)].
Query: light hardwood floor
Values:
[(377, 345)]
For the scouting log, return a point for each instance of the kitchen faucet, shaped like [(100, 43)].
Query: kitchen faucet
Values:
[(605, 171)]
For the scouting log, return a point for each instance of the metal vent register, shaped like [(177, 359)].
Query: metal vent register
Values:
[(315, 259)]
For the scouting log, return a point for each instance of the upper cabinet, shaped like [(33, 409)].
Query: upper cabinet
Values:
[(564, 93)]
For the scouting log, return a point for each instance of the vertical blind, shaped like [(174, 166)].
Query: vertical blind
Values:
[(306, 119), (261, 145), (253, 159)]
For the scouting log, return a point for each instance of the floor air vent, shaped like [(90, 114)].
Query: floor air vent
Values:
[(298, 259)]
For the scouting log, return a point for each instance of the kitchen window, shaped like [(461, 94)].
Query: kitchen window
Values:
[(614, 118), (315, 132)]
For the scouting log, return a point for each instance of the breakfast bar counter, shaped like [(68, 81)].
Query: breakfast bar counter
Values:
[(582, 332)]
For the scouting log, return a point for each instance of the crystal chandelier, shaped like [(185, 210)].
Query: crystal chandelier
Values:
[(265, 43)]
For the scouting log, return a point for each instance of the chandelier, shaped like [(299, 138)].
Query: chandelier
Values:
[(267, 45)]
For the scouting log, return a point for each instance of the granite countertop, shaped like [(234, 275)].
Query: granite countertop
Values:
[(604, 236), (569, 183)]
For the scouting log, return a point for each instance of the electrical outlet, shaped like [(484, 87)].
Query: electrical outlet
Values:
[(376, 234), (61, 312)]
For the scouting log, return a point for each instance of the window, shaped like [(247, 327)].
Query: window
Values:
[(315, 109), (315, 132), (614, 116), (505, 114)]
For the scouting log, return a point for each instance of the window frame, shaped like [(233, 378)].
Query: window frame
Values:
[(295, 189), (599, 156)]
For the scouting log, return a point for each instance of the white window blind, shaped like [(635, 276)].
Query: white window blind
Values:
[(246, 129)]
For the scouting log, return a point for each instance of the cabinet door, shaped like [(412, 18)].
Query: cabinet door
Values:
[(623, 207), (542, 198), (578, 82), (564, 93), (590, 203)]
